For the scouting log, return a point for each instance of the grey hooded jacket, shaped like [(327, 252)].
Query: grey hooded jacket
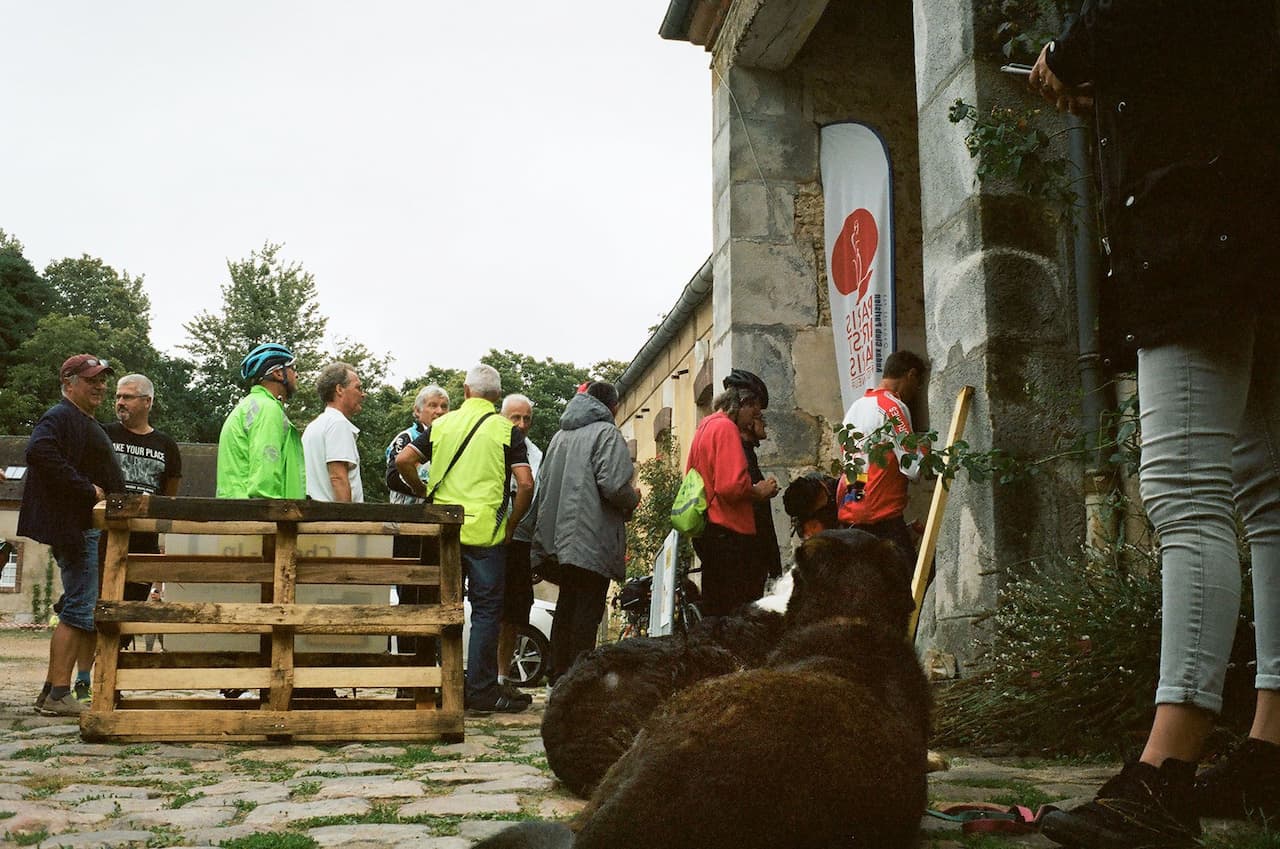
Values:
[(585, 494)]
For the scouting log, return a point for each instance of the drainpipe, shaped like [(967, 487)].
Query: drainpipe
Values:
[(1101, 519)]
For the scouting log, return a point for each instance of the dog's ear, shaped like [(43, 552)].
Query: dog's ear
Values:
[(895, 570)]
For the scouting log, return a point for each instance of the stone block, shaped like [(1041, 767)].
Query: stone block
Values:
[(944, 43), (813, 359), (463, 804), (759, 92), (286, 812), (762, 213), (370, 788), (794, 440), (772, 148), (722, 229), (721, 164), (382, 834), (948, 176), (775, 285), (97, 840), (183, 818)]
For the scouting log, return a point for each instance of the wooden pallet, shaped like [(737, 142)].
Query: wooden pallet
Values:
[(129, 704)]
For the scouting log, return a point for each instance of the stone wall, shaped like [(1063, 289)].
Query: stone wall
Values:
[(1000, 317)]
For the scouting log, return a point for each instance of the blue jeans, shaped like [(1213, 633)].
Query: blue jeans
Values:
[(78, 566), (1210, 415), (484, 570)]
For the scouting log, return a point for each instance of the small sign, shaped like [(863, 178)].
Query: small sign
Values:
[(662, 598)]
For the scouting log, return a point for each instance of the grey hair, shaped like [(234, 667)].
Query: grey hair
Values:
[(730, 401), (431, 390), (515, 398), (145, 386), (485, 382), (331, 377)]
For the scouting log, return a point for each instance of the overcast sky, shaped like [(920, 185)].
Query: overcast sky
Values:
[(458, 176)]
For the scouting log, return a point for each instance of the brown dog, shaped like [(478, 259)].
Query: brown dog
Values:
[(823, 747)]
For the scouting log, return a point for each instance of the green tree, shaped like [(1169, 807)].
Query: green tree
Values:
[(24, 297), (266, 300), (608, 370), (32, 384), (549, 384), (183, 409), (659, 478), (113, 302)]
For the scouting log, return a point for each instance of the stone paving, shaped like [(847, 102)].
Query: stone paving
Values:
[(56, 791)]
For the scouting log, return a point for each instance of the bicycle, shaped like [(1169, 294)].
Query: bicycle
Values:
[(634, 601)]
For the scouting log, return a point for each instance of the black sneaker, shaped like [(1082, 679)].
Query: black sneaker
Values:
[(1143, 807), (514, 693), (1245, 784), (497, 704)]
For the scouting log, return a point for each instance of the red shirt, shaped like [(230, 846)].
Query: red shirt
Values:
[(717, 453)]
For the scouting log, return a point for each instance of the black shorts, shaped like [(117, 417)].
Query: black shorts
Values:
[(517, 598)]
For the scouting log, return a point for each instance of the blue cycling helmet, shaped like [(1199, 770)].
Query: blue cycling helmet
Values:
[(264, 358)]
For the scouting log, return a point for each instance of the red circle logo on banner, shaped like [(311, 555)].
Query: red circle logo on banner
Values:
[(855, 249)]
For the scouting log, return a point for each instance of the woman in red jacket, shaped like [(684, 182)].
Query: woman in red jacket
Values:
[(730, 576)]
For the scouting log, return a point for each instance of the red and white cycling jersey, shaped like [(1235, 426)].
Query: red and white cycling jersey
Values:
[(885, 493)]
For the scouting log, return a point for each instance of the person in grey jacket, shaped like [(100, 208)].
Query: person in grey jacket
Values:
[(585, 496)]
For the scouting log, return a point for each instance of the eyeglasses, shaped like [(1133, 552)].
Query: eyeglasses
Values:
[(125, 396)]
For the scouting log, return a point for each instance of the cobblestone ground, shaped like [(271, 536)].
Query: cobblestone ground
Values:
[(56, 791)]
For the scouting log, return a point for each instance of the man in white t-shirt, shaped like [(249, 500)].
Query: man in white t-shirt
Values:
[(329, 442)]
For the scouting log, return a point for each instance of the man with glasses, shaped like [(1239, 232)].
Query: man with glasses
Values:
[(150, 461), (71, 467), (259, 449)]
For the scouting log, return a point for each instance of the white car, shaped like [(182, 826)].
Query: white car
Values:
[(533, 645)]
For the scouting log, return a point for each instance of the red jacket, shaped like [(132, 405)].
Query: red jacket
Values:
[(717, 453)]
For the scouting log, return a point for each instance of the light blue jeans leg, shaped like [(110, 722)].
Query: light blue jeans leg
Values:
[(1257, 477), (1192, 401)]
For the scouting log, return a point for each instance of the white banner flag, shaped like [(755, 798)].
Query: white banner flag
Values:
[(857, 187)]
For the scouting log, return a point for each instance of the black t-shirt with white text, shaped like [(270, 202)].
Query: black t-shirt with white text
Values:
[(148, 461)]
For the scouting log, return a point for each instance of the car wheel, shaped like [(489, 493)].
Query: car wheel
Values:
[(529, 663)]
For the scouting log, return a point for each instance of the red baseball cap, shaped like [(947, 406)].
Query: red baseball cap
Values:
[(84, 365)]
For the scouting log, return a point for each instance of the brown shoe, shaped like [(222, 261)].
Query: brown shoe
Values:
[(67, 705)]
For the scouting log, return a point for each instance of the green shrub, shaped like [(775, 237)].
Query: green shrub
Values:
[(1071, 664)]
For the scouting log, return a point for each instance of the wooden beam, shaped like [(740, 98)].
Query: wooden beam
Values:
[(341, 618), (933, 525), (181, 725), (213, 678), (252, 570), (243, 659), (276, 510)]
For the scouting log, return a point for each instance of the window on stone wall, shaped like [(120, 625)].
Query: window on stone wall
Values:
[(10, 566)]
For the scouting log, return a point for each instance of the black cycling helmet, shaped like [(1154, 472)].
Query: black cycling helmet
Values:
[(263, 359), (743, 379)]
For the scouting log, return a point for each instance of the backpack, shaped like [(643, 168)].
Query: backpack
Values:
[(689, 510)]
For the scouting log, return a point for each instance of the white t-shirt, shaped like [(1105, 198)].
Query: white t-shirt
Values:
[(331, 438)]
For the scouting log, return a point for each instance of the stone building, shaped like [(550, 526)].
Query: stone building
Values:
[(983, 280)]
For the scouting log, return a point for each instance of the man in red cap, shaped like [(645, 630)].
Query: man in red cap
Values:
[(71, 467)]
